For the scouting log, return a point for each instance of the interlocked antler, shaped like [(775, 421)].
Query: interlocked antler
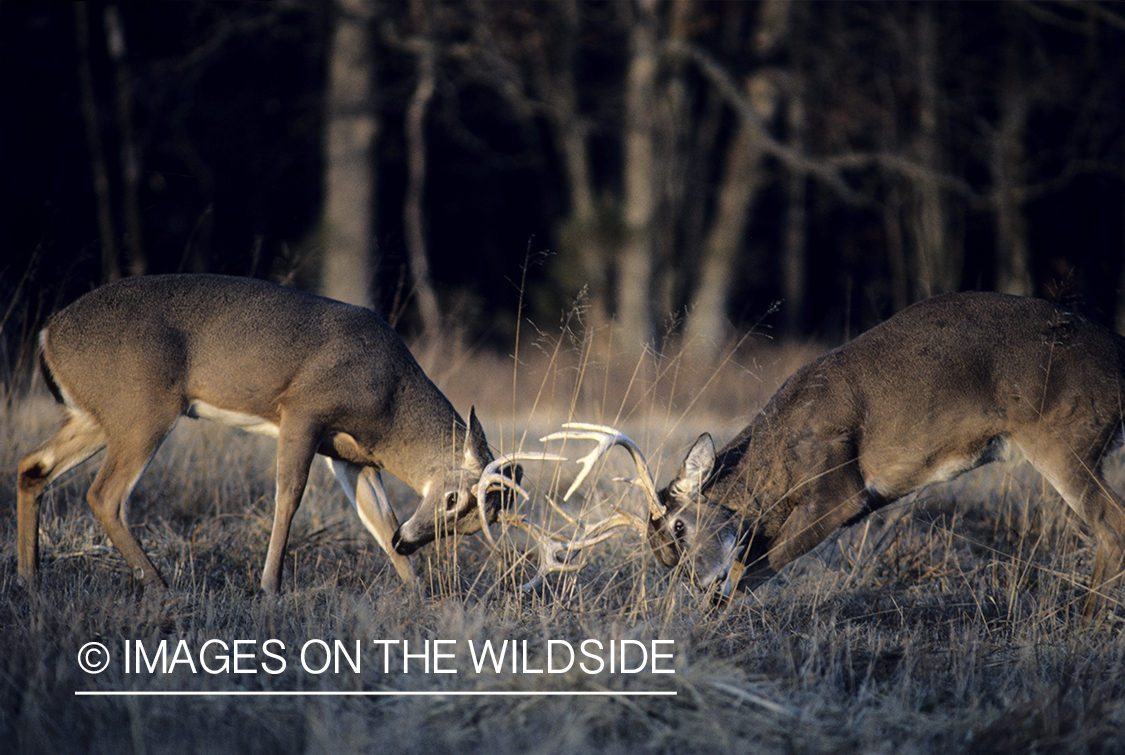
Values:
[(550, 545), (491, 479), (607, 438)]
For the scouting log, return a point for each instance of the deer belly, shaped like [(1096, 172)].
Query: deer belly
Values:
[(898, 479), (248, 422)]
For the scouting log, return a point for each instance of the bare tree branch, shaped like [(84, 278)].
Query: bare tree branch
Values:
[(828, 168)]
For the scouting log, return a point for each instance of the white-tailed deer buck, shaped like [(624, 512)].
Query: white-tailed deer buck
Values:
[(321, 376), (944, 386)]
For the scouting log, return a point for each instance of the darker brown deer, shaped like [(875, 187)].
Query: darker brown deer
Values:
[(944, 386)]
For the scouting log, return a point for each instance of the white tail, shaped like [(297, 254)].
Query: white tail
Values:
[(944, 386), (321, 376)]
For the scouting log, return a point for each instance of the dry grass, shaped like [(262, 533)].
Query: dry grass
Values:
[(947, 625)]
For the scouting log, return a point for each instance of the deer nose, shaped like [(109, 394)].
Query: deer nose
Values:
[(718, 594), (402, 547)]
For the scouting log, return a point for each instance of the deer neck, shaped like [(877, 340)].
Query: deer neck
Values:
[(751, 477), (416, 435), (762, 473), (424, 457)]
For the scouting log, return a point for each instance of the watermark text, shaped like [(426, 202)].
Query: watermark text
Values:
[(334, 656)]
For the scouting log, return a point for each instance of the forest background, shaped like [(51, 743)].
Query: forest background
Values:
[(653, 177), (674, 168)]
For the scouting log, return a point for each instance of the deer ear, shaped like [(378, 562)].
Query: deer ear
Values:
[(695, 470), (477, 454)]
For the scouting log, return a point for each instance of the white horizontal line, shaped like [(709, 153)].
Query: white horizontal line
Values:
[(373, 693)]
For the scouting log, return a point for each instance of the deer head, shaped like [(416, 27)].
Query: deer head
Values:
[(463, 500)]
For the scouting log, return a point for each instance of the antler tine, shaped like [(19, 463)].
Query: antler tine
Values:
[(491, 477), (597, 527), (550, 545), (547, 546), (607, 438), (599, 531)]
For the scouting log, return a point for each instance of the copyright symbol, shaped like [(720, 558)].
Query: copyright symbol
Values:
[(93, 658)]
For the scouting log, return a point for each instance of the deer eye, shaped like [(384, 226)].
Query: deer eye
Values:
[(678, 528), (451, 500)]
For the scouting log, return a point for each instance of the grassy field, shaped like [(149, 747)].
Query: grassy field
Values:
[(946, 625)]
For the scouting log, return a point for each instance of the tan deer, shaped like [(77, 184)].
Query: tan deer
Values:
[(944, 386), (128, 359)]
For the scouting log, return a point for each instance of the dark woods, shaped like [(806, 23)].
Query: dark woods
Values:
[(673, 167)]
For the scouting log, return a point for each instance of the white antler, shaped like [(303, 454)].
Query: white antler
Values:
[(491, 479), (550, 544), (607, 438)]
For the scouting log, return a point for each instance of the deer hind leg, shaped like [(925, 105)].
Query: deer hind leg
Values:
[(1104, 511), (130, 446), (107, 498), (78, 439), (363, 486), (1074, 470), (1108, 574)]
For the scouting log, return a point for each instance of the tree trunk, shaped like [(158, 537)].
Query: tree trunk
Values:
[(707, 318), (586, 233), (938, 263), (111, 269), (1009, 172), (1119, 319), (130, 155), (896, 246), (795, 265), (350, 132), (414, 204), (635, 265), (706, 327)]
